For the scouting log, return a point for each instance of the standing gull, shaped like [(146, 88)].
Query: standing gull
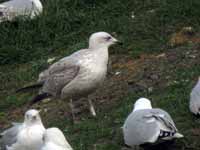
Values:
[(195, 99), (54, 139), (148, 125), (13, 8), (76, 75), (26, 135)]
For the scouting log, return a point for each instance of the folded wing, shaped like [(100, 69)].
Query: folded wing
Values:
[(9, 136), (148, 126)]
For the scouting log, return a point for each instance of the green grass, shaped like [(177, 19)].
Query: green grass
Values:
[(64, 27)]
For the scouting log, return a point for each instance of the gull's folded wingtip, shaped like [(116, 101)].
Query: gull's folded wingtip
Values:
[(27, 88), (178, 135), (38, 98)]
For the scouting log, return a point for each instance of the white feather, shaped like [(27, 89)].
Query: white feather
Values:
[(55, 140)]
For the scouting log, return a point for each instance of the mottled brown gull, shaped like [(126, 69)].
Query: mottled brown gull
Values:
[(77, 75)]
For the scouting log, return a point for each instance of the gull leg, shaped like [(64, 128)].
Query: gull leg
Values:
[(92, 110), (72, 110)]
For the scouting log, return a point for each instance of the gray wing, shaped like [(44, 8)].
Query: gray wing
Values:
[(58, 78), (62, 72), (9, 136), (164, 118), (55, 68), (144, 126)]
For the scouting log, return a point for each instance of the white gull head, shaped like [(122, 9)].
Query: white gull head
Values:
[(142, 103), (101, 40), (32, 116)]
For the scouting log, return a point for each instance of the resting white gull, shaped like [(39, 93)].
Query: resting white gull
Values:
[(26, 135), (148, 125), (13, 8), (76, 75), (53, 139), (195, 99)]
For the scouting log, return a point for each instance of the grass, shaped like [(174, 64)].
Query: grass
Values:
[(64, 27)]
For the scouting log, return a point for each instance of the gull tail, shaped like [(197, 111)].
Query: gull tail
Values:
[(39, 97), (27, 88)]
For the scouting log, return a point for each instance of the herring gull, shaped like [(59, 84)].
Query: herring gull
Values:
[(13, 8), (54, 139), (26, 135), (148, 125), (77, 75)]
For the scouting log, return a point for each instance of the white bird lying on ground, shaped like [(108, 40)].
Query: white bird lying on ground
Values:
[(77, 75), (13, 8), (148, 125), (54, 139), (26, 135), (195, 99)]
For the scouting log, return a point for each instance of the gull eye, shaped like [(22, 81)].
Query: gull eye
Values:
[(34, 117), (108, 38)]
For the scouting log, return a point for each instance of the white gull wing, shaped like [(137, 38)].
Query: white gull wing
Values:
[(195, 99), (52, 146), (54, 139), (145, 126)]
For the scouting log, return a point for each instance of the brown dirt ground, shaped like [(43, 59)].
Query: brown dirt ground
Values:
[(127, 74)]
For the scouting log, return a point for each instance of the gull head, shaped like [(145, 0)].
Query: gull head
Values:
[(101, 40), (32, 116), (55, 136), (142, 103)]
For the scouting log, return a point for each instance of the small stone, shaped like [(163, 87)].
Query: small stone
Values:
[(150, 89), (117, 73)]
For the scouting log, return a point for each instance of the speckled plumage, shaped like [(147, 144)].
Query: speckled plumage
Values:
[(76, 75), (79, 74)]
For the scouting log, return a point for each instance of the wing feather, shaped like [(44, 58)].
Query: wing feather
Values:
[(9, 136)]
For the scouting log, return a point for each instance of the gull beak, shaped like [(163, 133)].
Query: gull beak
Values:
[(117, 42)]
